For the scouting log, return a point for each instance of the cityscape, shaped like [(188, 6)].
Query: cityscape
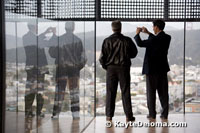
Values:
[(138, 91), (16, 75), (16, 90)]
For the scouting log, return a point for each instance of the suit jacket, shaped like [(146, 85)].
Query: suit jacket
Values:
[(155, 60), (34, 49)]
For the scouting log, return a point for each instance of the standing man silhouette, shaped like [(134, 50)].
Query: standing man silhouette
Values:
[(70, 58), (116, 53), (156, 66), (36, 68)]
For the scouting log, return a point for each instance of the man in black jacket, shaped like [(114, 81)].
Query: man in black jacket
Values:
[(70, 58), (117, 51), (156, 66)]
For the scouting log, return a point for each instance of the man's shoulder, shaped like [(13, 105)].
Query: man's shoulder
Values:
[(117, 36), (127, 37), (26, 35), (71, 36), (168, 36), (108, 38), (122, 37), (165, 34), (76, 37)]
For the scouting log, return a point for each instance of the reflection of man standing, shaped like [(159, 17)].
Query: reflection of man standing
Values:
[(117, 51), (36, 69), (156, 66), (70, 59)]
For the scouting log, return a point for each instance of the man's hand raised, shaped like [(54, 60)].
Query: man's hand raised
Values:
[(144, 30), (138, 30)]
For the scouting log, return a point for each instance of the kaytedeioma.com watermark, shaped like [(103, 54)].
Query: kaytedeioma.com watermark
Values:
[(145, 124)]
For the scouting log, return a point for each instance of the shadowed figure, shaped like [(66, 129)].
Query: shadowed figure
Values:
[(36, 68), (70, 58), (116, 53), (156, 66)]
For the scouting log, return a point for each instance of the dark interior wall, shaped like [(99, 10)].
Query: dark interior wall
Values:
[(2, 67)]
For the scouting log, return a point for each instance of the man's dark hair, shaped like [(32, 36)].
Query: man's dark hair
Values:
[(159, 23), (116, 26)]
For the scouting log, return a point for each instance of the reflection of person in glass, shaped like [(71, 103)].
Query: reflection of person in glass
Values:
[(70, 59), (36, 69)]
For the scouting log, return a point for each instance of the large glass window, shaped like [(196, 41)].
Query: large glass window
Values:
[(50, 64), (192, 69), (49, 75), (138, 81), (176, 58)]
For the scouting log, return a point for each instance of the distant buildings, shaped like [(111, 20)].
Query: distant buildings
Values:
[(16, 89), (192, 105)]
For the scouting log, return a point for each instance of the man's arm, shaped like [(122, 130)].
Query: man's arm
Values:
[(53, 52), (41, 39), (133, 49), (103, 56), (143, 43), (81, 54), (53, 43)]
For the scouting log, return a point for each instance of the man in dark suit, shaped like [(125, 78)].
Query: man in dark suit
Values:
[(117, 51), (156, 66), (36, 68)]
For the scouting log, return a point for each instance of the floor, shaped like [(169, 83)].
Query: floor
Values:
[(98, 125), (17, 123)]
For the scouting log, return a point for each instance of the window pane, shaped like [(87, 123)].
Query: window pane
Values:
[(50, 70), (192, 70), (138, 81)]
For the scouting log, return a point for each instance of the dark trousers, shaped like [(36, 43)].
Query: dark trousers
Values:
[(73, 85), (34, 88), (157, 82), (114, 75), (29, 102)]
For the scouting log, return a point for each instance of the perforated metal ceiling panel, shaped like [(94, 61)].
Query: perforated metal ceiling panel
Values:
[(178, 10), (132, 9)]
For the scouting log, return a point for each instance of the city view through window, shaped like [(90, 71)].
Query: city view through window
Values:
[(16, 75), (52, 79), (175, 76)]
